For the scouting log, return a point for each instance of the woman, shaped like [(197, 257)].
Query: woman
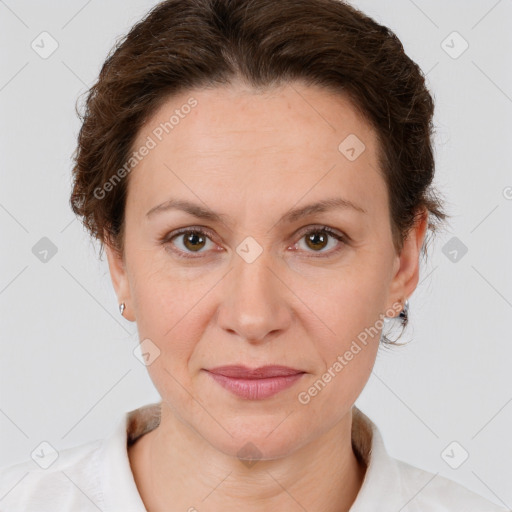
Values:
[(260, 174)]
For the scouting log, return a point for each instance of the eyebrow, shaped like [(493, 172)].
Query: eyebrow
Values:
[(291, 216)]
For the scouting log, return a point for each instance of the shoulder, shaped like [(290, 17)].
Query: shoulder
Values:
[(431, 492), (391, 484), (67, 480)]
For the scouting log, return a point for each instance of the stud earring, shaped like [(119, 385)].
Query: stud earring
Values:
[(121, 308)]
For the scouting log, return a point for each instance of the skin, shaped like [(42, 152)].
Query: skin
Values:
[(252, 156)]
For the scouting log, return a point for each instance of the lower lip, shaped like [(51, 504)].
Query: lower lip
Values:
[(256, 389)]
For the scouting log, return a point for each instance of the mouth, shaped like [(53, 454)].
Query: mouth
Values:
[(255, 383), (262, 372)]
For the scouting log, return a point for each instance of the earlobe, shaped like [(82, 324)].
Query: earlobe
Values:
[(120, 281)]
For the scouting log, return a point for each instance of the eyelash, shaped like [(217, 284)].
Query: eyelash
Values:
[(167, 239)]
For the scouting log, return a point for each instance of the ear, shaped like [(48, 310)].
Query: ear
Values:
[(407, 271), (119, 278)]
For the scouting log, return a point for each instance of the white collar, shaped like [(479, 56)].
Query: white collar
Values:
[(382, 475), (121, 493), (119, 488)]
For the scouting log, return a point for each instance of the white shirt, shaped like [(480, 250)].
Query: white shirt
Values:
[(97, 476)]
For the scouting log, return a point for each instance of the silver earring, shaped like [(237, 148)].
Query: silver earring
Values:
[(121, 308), (405, 312)]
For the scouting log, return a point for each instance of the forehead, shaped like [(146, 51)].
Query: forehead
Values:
[(287, 140), (241, 111)]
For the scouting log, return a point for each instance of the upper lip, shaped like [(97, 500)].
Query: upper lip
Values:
[(262, 372)]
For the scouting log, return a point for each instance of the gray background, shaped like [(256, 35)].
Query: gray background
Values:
[(67, 368)]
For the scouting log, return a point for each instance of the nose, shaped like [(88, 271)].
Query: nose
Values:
[(254, 303)]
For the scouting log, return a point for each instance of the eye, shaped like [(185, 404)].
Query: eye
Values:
[(317, 238), (191, 240)]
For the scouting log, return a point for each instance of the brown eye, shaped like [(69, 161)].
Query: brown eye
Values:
[(187, 242), (317, 239), (194, 240)]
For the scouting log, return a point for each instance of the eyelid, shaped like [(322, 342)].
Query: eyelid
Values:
[(321, 227)]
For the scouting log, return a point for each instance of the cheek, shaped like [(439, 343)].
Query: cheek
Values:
[(161, 292), (352, 309), (169, 308), (348, 356), (331, 394), (348, 301)]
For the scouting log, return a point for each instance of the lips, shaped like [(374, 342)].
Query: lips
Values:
[(262, 372), (255, 383)]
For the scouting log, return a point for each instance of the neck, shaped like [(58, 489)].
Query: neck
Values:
[(176, 469)]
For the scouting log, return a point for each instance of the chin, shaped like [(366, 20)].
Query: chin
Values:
[(257, 438)]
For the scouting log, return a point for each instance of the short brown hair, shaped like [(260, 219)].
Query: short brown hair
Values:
[(186, 44)]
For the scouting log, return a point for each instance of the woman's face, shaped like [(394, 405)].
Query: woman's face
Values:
[(256, 289)]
